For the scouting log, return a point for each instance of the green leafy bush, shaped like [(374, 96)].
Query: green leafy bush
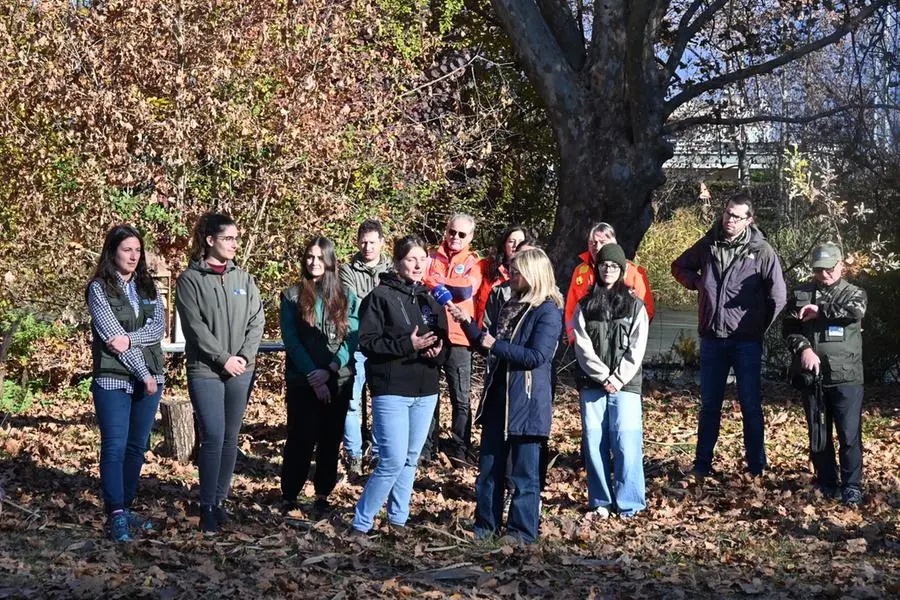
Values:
[(17, 398)]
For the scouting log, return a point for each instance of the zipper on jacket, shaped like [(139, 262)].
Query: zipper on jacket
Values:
[(506, 408), (227, 311)]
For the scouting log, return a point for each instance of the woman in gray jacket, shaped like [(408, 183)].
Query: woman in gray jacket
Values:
[(223, 321)]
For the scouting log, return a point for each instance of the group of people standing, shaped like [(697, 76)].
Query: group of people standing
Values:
[(393, 326)]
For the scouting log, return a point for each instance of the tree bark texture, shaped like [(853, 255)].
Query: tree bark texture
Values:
[(178, 428), (606, 109), (609, 103)]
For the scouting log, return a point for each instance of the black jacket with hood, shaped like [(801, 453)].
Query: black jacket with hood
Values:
[(387, 317)]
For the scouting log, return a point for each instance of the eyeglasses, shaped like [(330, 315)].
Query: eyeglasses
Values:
[(228, 238), (460, 234), (730, 216), (609, 266)]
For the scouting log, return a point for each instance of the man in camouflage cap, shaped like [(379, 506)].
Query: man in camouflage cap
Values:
[(823, 328)]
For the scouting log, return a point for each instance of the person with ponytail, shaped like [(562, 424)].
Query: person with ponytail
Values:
[(610, 328), (127, 323), (222, 318), (319, 327)]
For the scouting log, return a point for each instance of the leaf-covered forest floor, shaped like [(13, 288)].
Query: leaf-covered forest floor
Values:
[(731, 536)]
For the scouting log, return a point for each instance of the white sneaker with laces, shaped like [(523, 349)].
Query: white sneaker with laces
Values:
[(602, 512)]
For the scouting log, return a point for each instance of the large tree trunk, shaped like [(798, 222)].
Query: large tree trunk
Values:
[(604, 176)]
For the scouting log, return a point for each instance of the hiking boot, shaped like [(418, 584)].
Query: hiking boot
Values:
[(118, 527), (354, 466), (852, 496), (321, 507), (208, 523), (221, 515), (829, 492), (137, 522)]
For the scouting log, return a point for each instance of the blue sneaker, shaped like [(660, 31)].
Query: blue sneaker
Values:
[(118, 528), (137, 522)]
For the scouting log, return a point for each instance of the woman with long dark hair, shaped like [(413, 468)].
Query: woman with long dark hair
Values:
[(610, 328), (496, 267), (319, 327), (222, 318), (403, 333), (127, 322)]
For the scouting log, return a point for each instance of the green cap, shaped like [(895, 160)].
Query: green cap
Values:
[(612, 253), (825, 256)]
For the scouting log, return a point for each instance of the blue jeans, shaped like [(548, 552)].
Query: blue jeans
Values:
[(219, 405), (613, 447), (125, 421), (353, 423), (401, 426), (524, 456), (717, 357)]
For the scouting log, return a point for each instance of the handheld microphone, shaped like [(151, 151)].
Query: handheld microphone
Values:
[(441, 294)]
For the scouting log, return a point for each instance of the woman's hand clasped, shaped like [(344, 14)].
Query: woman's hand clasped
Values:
[(235, 366), (318, 377), (434, 350), (422, 342), (118, 344)]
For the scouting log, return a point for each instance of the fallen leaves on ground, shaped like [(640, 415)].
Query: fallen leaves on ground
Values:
[(727, 536)]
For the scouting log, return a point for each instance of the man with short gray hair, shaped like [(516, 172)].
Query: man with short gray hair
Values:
[(460, 270)]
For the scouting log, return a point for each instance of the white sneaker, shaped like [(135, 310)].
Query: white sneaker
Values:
[(601, 512)]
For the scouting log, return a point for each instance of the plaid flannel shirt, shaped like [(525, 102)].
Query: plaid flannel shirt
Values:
[(108, 326)]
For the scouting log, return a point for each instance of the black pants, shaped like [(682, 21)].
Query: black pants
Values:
[(458, 370), (843, 407), (313, 426), (219, 404)]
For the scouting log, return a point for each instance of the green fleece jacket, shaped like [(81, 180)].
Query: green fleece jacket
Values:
[(221, 316)]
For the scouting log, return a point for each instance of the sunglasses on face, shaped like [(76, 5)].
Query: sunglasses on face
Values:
[(460, 234)]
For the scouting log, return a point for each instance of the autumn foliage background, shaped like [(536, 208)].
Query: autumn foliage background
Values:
[(306, 117)]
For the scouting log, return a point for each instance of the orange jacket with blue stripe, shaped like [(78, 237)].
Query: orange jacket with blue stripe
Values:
[(583, 281), (462, 274)]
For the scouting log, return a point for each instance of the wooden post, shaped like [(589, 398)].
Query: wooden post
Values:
[(178, 428)]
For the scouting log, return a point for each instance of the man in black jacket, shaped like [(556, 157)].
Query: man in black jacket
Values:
[(823, 328), (740, 292)]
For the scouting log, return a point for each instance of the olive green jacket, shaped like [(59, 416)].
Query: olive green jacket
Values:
[(221, 316)]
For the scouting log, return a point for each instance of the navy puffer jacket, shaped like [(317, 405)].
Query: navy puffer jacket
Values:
[(528, 357)]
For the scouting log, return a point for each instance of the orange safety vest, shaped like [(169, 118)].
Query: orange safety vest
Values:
[(462, 274), (583, 281)]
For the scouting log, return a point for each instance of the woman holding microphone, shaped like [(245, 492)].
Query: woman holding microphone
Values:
[(516, 407)]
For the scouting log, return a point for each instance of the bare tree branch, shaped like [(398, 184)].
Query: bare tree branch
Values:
[(709, 119), (770, 65), (542, 58), (565, 29), (687, 30)]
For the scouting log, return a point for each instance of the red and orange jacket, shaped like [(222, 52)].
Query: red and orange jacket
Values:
[(462, 275), (485, 290), (583, 281)]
